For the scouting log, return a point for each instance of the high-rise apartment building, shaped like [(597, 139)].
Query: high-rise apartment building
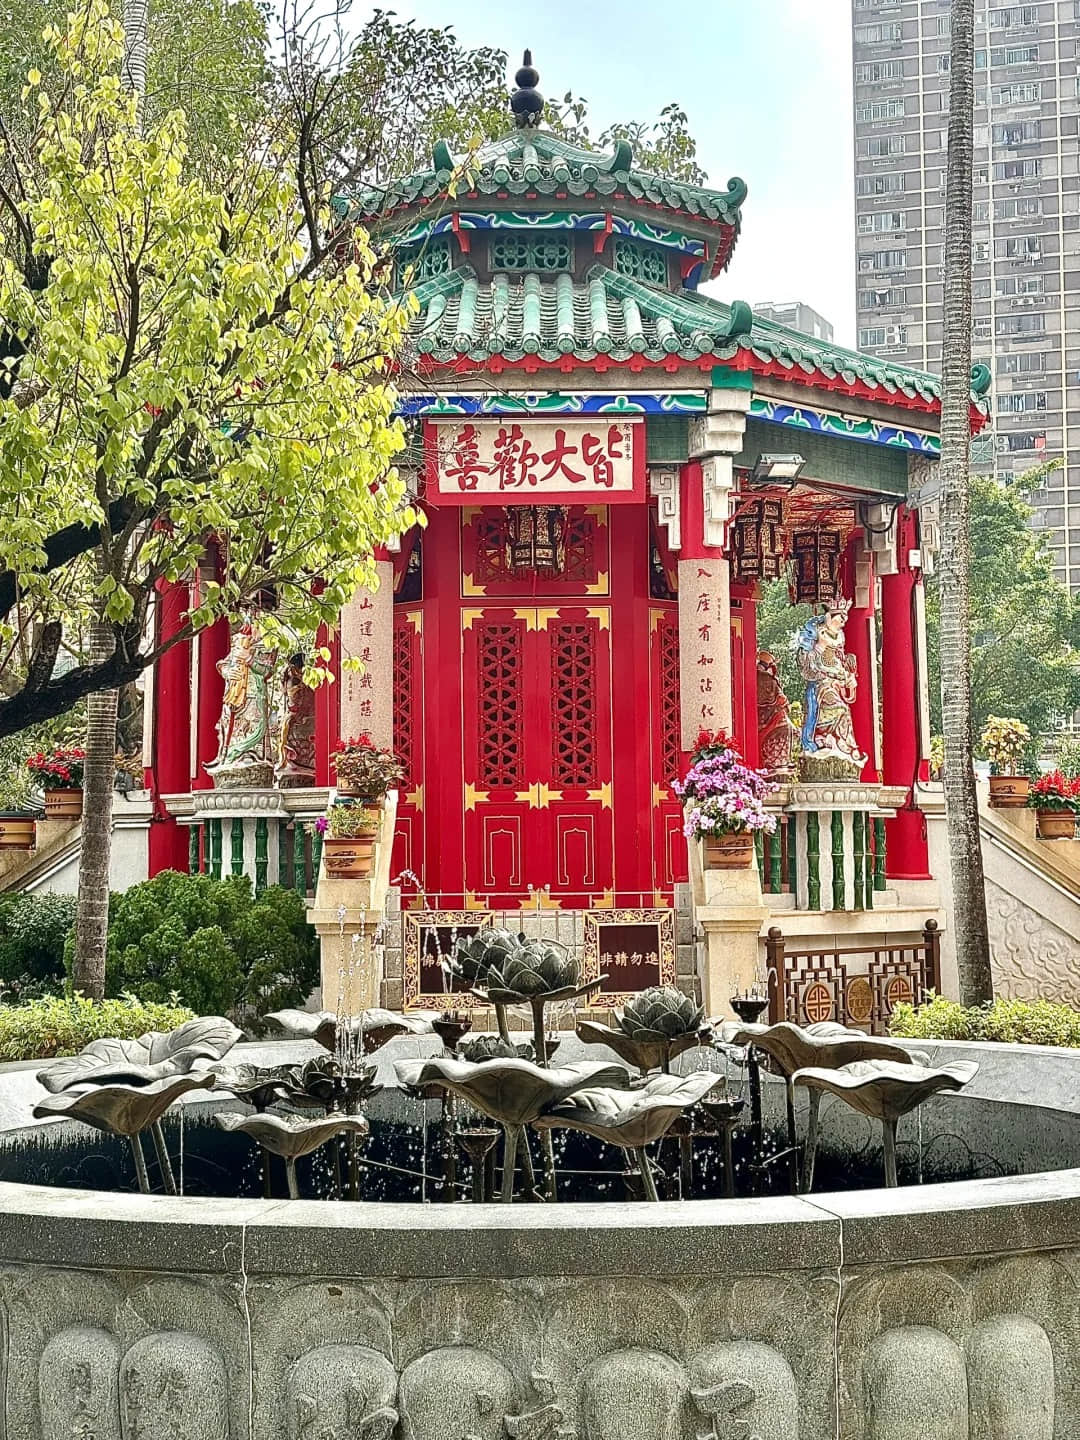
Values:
[(796, 316), (1026, 215)]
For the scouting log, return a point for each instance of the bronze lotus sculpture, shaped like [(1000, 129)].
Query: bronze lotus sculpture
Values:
[(125, 1086), (292, 1136), (884, 1090), (365, 1033), (657, 1025), (631, 1119)]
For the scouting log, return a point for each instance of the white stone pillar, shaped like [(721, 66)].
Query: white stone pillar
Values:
[(367, 635)]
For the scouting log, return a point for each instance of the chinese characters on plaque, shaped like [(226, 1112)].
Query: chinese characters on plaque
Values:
[(525, 462), (704, 630)]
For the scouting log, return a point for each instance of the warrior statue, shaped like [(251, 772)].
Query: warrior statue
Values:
[(829, 674), (296, 736), (776, 733), (245, 755)]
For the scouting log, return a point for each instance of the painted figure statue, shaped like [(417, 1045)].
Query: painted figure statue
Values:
[(296, 736), (829, 674), (776, 733), (245, 748)]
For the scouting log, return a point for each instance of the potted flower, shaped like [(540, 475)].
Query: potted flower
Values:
[(1004, 743), (724, 803), (366, 771), (1055, 798), (349, 830), (60, 773)]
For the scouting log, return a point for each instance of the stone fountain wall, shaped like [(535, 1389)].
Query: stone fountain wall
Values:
[(947, 1313)]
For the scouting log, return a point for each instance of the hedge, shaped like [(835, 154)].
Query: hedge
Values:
[(42, 1029), (1012, 1022)]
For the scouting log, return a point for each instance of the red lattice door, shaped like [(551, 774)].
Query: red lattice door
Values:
[(537, 753), (669, 843)]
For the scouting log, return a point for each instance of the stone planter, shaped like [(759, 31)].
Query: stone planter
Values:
[(17, 831), (63, 804), (349, 857), (1009, 792), (1056, 824), (729, 852)]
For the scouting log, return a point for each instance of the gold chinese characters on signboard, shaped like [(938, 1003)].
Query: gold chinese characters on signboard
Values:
[(525, 462)]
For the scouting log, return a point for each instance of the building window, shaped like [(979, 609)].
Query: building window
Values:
[(521, 252), (1020, 325), (1014, 55), (1020, 92), (980, 210), (879, 71), (880, 110), (880, 336), (980, 59), (944, 64), (893, 299), (889, 34), (1019, 248), (1018, 132), (1022, 400), (1030, 362), (876, 224), (1017, 169), (883, 260), (1016, 209), (887, 184), (1014, 16), (944, 23), (425, 261), (1009, 285), (1022, 440), (880, 147), (642, 262)]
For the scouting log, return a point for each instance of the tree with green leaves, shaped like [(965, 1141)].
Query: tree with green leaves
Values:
[(1025, 624), (199, 364)]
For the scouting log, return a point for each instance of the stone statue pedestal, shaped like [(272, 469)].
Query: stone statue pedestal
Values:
[(729, 907), (348, 916)]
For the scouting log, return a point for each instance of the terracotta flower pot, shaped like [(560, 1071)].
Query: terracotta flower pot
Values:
[(1056, 824), (349, 857), (17, 832), (1009, 792), (729, 852), (63, 804)]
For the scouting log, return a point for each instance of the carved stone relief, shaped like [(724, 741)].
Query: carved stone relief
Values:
[(1032, 957), (173, 1387), (77, 1385), (341, 1391)]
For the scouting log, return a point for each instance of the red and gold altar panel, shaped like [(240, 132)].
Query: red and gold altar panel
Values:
[(531, 462), (429, 940), (633, 949)]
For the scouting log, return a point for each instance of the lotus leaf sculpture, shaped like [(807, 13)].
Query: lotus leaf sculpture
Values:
[(292, 1136), (512, 1092), (494, 1047), (369, 1031), (631, 1119), (884, 1090), (256, 1085), (656, 1026), (152, 1056), (128, 1110)]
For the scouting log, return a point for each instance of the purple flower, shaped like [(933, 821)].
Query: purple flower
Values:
[(322, 824)]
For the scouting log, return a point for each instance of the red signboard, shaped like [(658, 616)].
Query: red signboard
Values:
[(535, 462)]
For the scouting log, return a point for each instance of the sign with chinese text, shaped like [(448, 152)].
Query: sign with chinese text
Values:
[(535, 462), (704, 648), (635, 949), (431, 938)]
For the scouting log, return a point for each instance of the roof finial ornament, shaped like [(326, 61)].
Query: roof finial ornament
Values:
[(526, 102)]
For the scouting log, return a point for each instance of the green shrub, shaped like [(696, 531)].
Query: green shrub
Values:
[(1014, 1022), (52, 1026), (212, 944), (33, 929)]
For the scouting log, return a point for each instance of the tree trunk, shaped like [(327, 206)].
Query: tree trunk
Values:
[(136, 25), (99, 771), (962, 811)]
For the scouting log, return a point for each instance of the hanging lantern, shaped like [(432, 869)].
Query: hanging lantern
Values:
[(757, 541), (535, 537), (817, 555)]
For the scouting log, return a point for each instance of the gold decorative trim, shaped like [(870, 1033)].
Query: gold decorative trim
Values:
[(663, 919)]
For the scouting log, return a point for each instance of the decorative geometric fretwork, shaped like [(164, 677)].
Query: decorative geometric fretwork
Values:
[(573, 704), (405, 690), (502, 707), (429, 260), (897, 976), (814, 989), (519, 252), (667, 638), (642, 262)]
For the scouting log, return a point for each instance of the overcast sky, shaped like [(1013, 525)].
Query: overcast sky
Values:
[(767, 87)]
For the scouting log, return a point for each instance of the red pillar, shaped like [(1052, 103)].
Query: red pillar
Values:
[(744, 656), (171, 718), (213, 645), (328, 707), (901, 760), (860, 641)]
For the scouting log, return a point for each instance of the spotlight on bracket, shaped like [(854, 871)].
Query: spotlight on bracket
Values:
[(779, 468)]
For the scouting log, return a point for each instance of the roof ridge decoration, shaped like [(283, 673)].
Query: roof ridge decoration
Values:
[(530, 319)]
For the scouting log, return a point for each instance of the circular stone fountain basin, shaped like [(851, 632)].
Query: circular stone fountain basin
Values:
[(942, 1312)]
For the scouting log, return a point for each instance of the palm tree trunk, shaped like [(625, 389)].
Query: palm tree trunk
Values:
[(962, 811), (99, 767), (99, 772)]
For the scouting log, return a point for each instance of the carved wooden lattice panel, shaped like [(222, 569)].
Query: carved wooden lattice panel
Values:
[(895, 977), (502, 706), (814, 991), (405, 696), (667, 636), (408, 856), (573, 704)]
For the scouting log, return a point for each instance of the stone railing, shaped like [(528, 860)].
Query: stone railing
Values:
[(266, 834)]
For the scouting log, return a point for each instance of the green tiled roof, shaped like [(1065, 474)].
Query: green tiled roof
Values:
[(514, 316), (539, 163)]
